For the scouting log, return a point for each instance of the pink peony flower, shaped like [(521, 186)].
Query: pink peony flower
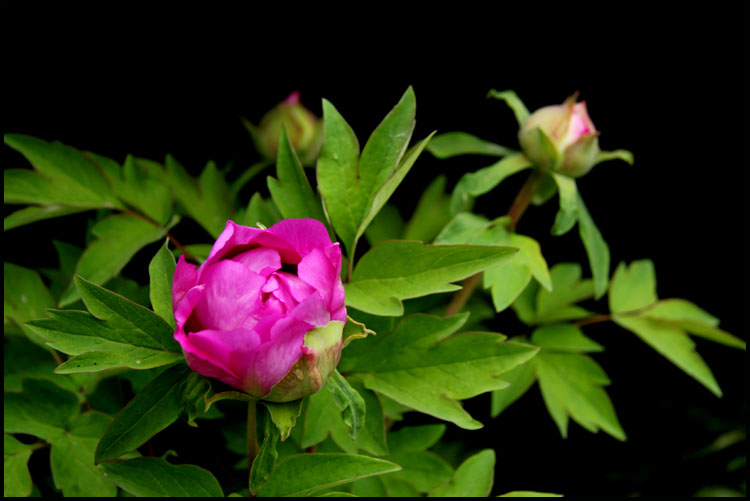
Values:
[(265, 312)]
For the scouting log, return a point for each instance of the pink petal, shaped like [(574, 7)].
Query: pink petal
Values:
[(185, 307), (262, 261), (184, 278), (236, 239), (231, 294), (317, 270), (303, 234), (296, 287), (312, 310)]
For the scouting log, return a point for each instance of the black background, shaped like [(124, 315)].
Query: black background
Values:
[(667, 82)]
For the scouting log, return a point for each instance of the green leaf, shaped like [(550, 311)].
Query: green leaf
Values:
[(63, 175), (302, 474), (415, 438), (474, 478), (397, 270), (33, 214), (567, 289), (354, 189), (267, 455), (693, 319), (349, 401), (152, 477), (284, 415), (25, 298), (529, 494), (72, 459), (208, 201), (564, 337), (259, 211), (118, 238), (467, 227), (484, 180), (571, 385), (16, 476), (422, 470), (451, 144), (23, 359), (355, 330), (623, 155), (160, 272), (431, 214), (420, 366), (596, 249), (291, 191), (568, 213), (513, 102), (387, 225), (43, 409), (153, 409), (633, 287), (140, 326), (143, 188), (672, 342), (520, 378)]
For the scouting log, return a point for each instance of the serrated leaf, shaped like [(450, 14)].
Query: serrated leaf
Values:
[(25, 298), (43, 409), (349, 401), (484, 180), (564, 337), (72, 459), (152, 477), (303, 474), (451, 144), (142, 187), (431, 214), (153, 409), (291, 192), (674, 344), (571, 385), (520, 379), (16, 476), (473, 478), (118, 238), (633, 286), (417, 366), (568, 213), (513, 102), (352, 187), (397, 270), (65, 176), (33, 214), (160, 272), (596, 249), (567, 289)]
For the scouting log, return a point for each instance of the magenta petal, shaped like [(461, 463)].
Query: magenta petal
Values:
[(236, 239), (313, 311), (316, 270), (296, 287), (185, 307), (184, 278), (231, 294), (276, 357), (303, 234), (262, 261)]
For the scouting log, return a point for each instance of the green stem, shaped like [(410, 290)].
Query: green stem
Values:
[(252, 433)]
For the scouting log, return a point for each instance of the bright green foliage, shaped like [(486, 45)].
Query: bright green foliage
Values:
[(208, 200), (415, 438), (451, 144), (152, 477), (16, 476), (623, 155), (25, 298), (32, 214), (513, 102), (571, 385), (398, 270), (322, 417), (349, 401), (387, 225), (72, 458), (161, 271), (420, 366), (259, 211), (156, 407), (43, 409), (23, 359), (355, 187), (485, 180), (118, 238), (432, 212), (142, 187), (564, 337), (291, 192), (664, 325), (566, 216), (596, 249), (520, 379), (422, 470), (284, 415), (539, 306), (474, 478), (303, 474)]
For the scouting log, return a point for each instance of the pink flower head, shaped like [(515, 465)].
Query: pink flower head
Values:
[(243, 315)]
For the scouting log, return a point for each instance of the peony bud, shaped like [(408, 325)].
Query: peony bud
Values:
[(265, 312), (561, 138), (305, 130)]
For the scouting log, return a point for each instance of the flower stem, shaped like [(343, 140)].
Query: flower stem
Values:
[(519, 206), (252, 433)]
